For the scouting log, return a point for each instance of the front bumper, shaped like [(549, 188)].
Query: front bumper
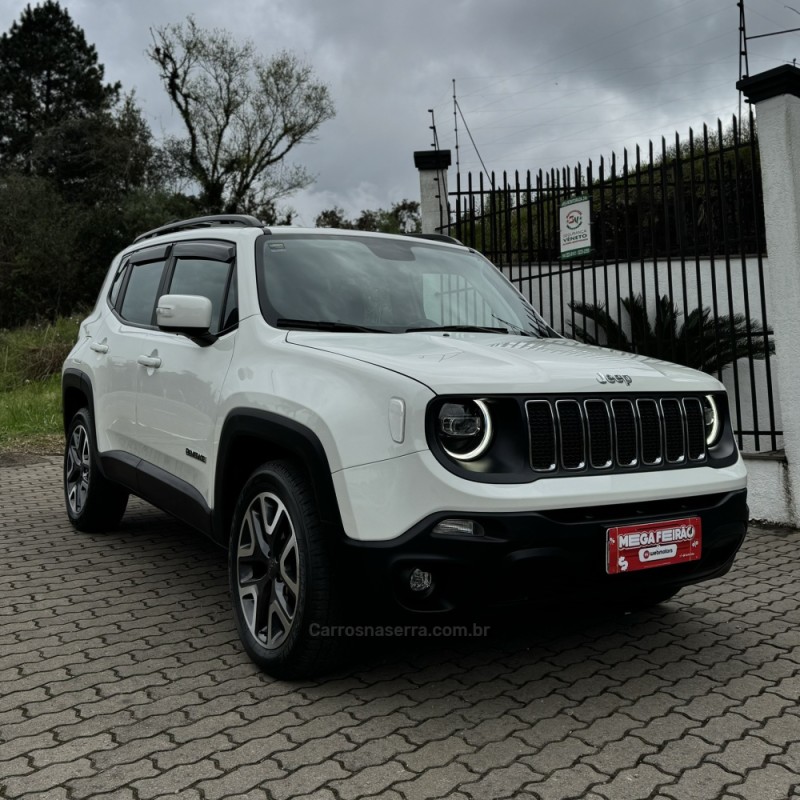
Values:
[(384, 500), (551, 555)]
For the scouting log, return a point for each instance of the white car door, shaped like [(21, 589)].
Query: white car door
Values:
[(180, 378), (117, 344)]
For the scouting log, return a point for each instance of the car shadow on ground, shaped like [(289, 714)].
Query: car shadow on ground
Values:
[(163, 551)]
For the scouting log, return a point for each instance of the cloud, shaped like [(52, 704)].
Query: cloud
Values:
[(540, 84)]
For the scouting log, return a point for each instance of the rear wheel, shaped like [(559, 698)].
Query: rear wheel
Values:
[(93, 502), (282, 586)]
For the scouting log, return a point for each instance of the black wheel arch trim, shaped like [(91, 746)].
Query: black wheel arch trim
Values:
[(76, 380), (289, 436), (72, 379)]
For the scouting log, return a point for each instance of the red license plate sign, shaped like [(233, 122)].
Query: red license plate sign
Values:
[(653, 544)]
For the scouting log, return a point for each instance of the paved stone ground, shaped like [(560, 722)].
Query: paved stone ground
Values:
[(121, 677)]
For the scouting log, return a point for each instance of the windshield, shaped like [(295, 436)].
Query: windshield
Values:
[(359, 283)]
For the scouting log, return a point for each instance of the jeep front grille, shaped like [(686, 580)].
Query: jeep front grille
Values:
[(601, 433)]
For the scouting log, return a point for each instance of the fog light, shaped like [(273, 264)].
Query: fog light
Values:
[(459, 527), (419, 580)]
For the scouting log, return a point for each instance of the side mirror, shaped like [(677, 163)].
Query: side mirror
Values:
[(184, 313)]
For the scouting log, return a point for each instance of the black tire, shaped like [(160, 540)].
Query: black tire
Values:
[(282, 585), (93, 502)]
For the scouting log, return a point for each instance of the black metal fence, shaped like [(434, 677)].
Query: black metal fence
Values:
[(676, 269)]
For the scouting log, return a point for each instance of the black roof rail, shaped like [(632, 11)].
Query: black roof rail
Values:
[(437, 237), (243, 220)]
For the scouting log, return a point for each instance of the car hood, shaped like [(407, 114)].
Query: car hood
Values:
[(477, 363)]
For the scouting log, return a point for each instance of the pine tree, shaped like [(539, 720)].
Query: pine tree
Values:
[(49, 75)]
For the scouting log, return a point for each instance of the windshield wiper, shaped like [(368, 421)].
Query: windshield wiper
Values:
[(324, 325), (463, 328), (515, 328)]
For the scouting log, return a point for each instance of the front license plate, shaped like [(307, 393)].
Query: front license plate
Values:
[(653, 544)]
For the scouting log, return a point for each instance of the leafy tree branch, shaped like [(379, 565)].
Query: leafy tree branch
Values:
[(243, 114)]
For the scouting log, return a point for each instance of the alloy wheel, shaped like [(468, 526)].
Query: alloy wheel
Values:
[(268, 570), (78, 469)]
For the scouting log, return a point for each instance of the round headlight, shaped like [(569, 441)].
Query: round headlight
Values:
[(464, 429), (712, 420)]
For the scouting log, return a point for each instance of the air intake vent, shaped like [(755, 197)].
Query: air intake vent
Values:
[(599, 434)]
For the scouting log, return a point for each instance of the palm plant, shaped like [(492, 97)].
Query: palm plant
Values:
[(703, 342)]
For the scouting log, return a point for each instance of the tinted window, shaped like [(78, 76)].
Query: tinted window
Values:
[(204, 277), (386, 284), (140, 294), (117, 284), (231, 315), (450, 299)]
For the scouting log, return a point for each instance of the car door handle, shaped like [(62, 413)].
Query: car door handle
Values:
[(152, 362), (98, 348)]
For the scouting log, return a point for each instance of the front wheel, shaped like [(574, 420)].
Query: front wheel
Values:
[(93, 502), (282, 586)]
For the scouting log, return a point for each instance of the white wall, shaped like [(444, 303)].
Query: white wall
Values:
[(769, 493), (779, 139)]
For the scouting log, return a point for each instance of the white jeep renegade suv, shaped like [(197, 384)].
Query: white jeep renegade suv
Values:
[(330, 404)]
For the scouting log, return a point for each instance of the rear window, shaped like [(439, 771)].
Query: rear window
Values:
[(139, 302)]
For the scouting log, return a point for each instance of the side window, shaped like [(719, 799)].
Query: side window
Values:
[(204, 277), (140, 294), (116, 284), (230, 317)]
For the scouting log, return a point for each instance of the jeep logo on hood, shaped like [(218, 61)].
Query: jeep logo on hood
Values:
[(626, 379)]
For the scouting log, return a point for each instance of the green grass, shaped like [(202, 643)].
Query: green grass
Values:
[(30, 385), (30, 417)]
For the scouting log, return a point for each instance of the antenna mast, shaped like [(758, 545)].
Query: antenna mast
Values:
[(455, 121), (743, 73), (441, 179), (744, 66), (432, 126)]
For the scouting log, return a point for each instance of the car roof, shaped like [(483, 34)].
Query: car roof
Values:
[(226, 223)]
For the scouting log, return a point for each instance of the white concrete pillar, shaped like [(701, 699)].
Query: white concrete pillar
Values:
[(776, 95), (432, 166)]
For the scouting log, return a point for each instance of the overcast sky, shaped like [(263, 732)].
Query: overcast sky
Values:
[(541, 83)]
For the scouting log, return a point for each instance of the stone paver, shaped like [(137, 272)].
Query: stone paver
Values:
[(121, 677)]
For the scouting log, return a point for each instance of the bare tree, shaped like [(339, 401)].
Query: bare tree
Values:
[(242, 114)]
